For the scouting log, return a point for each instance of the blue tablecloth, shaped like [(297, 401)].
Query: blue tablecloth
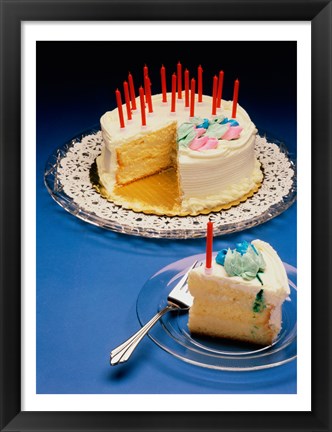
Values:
[(88, 280)]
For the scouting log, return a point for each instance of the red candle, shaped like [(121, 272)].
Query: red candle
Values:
[(200, 83), (220, 86), (119, 104), (147, 87), (192, 97), (235, 97), (163, 83), (145, 71), (209, 245), (186, 87), (179, 70), (141, 96), (173, 92), (132, 91), (214, 95), (127, 99)]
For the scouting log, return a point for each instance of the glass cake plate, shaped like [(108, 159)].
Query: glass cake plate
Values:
[(67, 179), (172, 335)]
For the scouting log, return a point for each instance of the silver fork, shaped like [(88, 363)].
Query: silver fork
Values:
[(178, 299)]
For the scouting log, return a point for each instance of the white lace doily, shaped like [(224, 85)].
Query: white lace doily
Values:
[(68, 181)]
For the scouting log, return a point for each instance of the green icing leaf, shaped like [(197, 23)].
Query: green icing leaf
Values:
[(216, 130), (186, 133), (184, 129), (188, 139), (259, 303), (259, 278)]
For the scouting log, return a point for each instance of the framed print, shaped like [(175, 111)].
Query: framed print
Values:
[(141, 144)]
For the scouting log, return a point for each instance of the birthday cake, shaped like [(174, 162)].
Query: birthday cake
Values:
[(176, 157), (241, 295)]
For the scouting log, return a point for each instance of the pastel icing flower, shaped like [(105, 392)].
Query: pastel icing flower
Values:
[(203, 134), (242, 247), (184, 129), (232, 122), (211, 143), (199, 131), (198, 142), (220, 258), (233, 132), (186, 133), (204, 124), (188, 139), (217, 130), (244, 261), (217, 119)]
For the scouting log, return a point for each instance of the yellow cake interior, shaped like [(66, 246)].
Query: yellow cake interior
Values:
[(230, 314), (147, 155)]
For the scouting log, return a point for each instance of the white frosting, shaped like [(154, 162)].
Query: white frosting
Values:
[(207, 178)]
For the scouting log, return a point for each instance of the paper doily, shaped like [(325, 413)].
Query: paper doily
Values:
[(67, 180)]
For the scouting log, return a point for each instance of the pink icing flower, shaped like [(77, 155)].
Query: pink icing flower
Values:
[(198, 142), (211, 143), (232, 133), (199, 132)]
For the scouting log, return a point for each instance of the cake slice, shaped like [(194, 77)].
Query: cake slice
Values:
[(241, 296)]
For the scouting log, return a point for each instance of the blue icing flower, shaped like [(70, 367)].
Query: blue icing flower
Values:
[(204, 125), (232, 122), (242, 247), (220, 258)]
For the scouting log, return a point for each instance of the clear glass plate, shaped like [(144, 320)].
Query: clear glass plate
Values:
[(67, 179), (172, 335)]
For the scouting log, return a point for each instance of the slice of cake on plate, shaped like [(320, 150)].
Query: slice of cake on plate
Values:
[(241, 295)]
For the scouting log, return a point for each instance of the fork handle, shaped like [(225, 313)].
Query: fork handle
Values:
[(123, 352)]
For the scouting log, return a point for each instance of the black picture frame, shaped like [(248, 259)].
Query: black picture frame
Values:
[(319, 12)]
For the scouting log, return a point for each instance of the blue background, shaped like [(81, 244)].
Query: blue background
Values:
[(88, 279)]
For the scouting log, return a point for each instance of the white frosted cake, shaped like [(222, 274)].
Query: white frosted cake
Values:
[(241, 297), (213, 156)]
